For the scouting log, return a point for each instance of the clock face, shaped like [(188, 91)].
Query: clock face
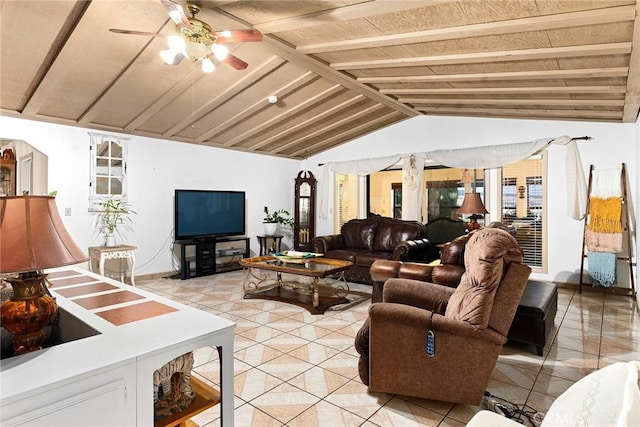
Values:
[(305, 190)]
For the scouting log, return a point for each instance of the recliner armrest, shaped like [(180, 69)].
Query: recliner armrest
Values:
[(324, 244), (416, 250), (416, 293), (408, 316)]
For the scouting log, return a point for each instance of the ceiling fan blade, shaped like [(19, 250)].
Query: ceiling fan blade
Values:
[(176, 13), (235, 36), (137, 33), (236, 62)]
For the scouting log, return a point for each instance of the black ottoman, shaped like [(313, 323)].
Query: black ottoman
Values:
[(535, 315)]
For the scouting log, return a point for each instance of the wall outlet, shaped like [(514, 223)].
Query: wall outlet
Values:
[(67, 211)]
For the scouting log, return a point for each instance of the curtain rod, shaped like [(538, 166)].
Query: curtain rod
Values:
[(577, 138), (585, 138)]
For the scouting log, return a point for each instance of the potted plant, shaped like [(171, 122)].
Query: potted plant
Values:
[(271, 220), (116, 212)]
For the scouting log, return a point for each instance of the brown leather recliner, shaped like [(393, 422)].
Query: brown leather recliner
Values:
[(447, 273), (469, 324)]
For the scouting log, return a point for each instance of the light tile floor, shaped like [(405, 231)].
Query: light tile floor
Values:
[(293, 368)]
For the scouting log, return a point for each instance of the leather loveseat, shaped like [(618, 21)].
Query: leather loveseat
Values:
[(447, 272), (363, 241), (536, 312)]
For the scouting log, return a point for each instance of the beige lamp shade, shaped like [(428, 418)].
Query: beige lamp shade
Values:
[(472, 204), (33, 237)]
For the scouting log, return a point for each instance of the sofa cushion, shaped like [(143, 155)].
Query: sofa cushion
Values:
[(346, 255), (390, 232), (358, 233), (487, 255), (365, 259)]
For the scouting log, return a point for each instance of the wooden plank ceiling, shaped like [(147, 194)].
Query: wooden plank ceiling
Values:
[(340, 68)]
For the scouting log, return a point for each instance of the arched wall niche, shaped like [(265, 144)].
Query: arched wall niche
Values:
[(32, 167)]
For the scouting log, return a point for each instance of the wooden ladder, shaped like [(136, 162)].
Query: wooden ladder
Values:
[(625, 229)]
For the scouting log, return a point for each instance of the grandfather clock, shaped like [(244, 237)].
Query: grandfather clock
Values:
[(304, 229)]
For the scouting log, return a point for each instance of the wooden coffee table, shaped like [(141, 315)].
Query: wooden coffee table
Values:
[(327, 288)]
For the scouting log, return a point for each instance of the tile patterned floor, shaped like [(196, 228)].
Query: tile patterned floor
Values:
[(293, 368)]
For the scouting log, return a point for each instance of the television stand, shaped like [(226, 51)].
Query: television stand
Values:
[(211, 255)]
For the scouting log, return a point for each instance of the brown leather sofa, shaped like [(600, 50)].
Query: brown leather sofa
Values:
[(469, 326), (363, 241), (536, 312)]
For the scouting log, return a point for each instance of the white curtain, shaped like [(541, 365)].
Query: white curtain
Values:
[(486, 157), (361, 167)]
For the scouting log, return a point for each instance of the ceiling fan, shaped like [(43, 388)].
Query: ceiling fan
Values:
[(196, 39)]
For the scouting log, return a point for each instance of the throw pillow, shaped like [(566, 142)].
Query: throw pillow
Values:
[(607, 397)]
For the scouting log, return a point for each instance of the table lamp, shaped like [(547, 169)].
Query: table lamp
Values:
[(472, 204), (32, 238)]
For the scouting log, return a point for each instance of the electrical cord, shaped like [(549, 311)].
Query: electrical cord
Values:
[(512, 410)]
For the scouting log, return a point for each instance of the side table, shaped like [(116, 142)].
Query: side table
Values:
[(103, 253), (269, 244)]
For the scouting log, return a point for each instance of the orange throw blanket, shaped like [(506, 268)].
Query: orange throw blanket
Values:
[(605, 215)]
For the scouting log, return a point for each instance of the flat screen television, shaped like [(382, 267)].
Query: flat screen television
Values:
[(202, 213)]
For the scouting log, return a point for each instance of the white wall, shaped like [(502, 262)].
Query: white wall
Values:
[(156, 167), (612, 145)]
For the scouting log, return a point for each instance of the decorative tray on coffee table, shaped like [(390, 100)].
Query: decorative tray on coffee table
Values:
[(296, 257)]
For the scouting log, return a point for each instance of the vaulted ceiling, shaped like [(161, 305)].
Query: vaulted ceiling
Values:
[(340, 69)]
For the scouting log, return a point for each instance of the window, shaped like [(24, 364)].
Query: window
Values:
[(396, 197), (534, 196), (108, 168), (346, 200), (520, 188), (509, 197), (523, 201), (443, 192)]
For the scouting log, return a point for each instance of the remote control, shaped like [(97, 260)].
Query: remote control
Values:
[(430, 348)]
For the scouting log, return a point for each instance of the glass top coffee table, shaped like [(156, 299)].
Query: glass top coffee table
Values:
[(324, 288)]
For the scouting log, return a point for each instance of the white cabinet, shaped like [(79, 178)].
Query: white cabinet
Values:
[(80, 403), (107, 379)]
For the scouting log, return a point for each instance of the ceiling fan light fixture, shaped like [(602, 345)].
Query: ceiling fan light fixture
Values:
[(175, 43), (221, 52), (195, 51), (208, 66), (176, 14), (169, 56)]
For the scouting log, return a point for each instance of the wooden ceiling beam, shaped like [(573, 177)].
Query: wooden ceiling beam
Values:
[(282, 117), (514, 75), (632, 98), (506, 90), (167, 97), (538, 23), (237, 87), (529, 102), (525, 113), (334, 125), (338, 77), (368, 126), (483, 57), (289, 52), (257, 106), (343, 13), (292, 128)]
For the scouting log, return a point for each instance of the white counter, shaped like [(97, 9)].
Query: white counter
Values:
[(106, 379)]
